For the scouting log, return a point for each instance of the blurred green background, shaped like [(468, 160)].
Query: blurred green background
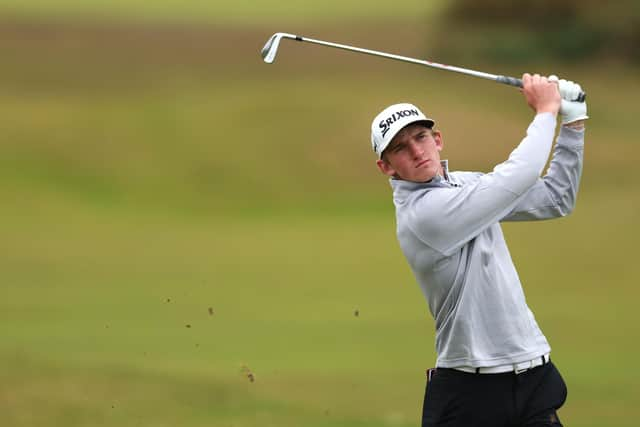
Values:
[(192, 237)]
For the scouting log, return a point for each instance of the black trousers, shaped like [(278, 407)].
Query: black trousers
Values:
[(459, 399)]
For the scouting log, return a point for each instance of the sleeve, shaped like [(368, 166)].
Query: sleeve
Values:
[(447, 218), (554, 195)]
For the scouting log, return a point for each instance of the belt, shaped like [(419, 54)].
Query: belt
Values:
[(518, 368)]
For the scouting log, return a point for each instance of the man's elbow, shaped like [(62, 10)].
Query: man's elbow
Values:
[(566, 206)]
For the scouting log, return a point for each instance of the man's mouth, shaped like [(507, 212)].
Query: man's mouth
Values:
[(422, 163)]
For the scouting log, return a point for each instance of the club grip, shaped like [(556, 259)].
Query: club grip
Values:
[(512, 81)]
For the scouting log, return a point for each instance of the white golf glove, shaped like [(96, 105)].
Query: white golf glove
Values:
[(570, 111)]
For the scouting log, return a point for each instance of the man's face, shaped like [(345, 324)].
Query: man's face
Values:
[(413, 154)]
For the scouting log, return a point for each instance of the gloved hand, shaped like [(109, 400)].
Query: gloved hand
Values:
[(570, 111)]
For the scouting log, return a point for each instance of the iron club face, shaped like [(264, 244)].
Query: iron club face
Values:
[(271, 47)]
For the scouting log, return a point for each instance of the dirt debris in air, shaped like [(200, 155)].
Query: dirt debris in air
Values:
[(247, 373)]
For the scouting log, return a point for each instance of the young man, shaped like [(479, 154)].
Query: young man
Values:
[(493, 367)]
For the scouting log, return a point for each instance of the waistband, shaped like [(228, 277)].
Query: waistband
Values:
[(518, 368)]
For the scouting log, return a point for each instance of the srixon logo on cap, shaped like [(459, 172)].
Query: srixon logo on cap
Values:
[(385, 125)]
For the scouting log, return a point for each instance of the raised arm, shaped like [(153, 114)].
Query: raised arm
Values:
[(554, 195), (448, 218)]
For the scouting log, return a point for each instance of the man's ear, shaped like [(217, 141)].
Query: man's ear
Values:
[(385, 168), (437, 136)]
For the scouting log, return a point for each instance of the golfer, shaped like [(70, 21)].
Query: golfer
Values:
[(493, 367)]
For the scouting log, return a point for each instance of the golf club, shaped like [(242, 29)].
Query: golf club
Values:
[(271, 48)]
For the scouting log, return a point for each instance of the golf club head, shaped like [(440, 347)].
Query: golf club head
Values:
[(271, 47)]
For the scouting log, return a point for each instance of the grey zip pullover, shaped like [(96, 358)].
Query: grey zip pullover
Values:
[(449, 231)]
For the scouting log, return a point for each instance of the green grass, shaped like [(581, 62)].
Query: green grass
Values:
[(94, 315), (143, 182)]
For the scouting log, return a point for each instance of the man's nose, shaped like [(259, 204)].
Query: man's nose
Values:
[(416, 149)]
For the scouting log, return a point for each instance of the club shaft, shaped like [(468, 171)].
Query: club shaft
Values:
[(511, 81), (404, 58)]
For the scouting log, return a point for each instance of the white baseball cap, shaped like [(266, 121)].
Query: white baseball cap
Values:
[(391, 121)]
